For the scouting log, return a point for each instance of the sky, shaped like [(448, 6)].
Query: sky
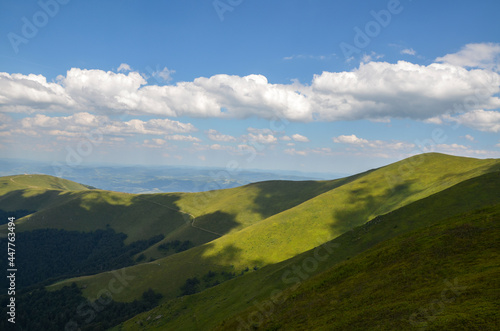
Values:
[(312, 86)]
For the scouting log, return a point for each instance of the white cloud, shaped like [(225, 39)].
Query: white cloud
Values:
[(285, 138), (124, 68), (217, 136), (352, 139), (408, 51), (372, 56), (402, 90), (164, 74), (158, 141), (293, 151), (375, 91), (81, 123), (481, 55), (179, 137), (482, 120), (300, 138), (392, 145), (305, 152), (434, 120), (462, 150), (469, 137), (261, 131), (261, 138), (309, 57)]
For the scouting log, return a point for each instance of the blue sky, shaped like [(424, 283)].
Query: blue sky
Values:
[(320, 86)]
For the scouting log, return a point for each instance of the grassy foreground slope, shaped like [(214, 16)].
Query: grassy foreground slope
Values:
[(444, 277), (302, 227), (251, 297)]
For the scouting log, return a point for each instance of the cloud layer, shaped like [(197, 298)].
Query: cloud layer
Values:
[(464, 81)]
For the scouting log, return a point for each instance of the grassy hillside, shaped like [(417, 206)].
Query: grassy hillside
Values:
[(62, 204), (293, 231), (242, 295), (40, 182), (444, 277), (35, 192), (300, 228)]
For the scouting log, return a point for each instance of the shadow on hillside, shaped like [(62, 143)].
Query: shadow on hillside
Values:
[(29, 199), (362, 205), (277, 196), (217, 222), (139, 216)]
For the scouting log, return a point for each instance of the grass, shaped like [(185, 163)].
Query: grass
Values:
[(300, 228), (443, 277), (240, 297)]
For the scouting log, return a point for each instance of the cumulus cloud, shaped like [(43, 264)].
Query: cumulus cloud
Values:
[(180, 137), (402, 90), (300, 138), (408, 51), (482, 120), (370, 57), (158, 141), (469, 137), (353, 140), (293, 151), (374, 90), (124, 68), (261, 138), (217, 136), (80, 123), (462, 150), (318, 151), (164, 74), (481, 55)]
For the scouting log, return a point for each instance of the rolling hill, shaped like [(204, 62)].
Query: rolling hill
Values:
[(300, 228), (241, 241), (242, 297)]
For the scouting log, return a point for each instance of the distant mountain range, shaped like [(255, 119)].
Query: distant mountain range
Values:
[(155, 179), (411, 245)]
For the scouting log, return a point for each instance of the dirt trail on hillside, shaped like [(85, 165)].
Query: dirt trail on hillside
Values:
[(30, 186)]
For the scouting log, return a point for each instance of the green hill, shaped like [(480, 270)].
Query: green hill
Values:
[(35, 192), (444, 277), (303, 227), (242, 296), (243, 239)]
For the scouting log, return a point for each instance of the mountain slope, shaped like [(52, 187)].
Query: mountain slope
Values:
[(242, 296), (62, 204), (35, 192), (444, 277), (302, 227)]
